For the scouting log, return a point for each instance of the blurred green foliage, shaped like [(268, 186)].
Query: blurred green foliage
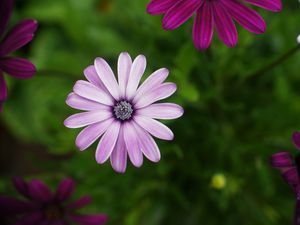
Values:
[(217, 170)]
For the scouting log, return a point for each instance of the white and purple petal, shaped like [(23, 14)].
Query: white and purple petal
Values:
[(164, 111)]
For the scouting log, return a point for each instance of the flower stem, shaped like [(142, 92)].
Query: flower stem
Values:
[(273, 64)]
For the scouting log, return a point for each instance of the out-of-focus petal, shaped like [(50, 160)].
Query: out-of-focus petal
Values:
[(65, 189), (136, 72), (107, 77), (151, 83), (291, 176), (272, 5), (296, 139), (155, 128), (97, 219), (161, 92), (11, 206), (132, 144), (124, 67), (107, 142), (86, 118), (203, 28), (77, 102), (6, 7), (180, 13), (39, 191), (90, 91), (21, 186), (30, 219), (83, 201), (156, 7), (91, 133), (18, 67), (282, 160), (224, 25), (245, 16), (163, 111), (19, 36), (118, 157)]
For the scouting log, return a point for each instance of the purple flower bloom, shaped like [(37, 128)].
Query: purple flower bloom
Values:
[(213, 13), (43, 207), (122, 112), (17, 37), (290, 171)]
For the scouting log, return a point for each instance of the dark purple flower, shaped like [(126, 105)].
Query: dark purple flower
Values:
[(20, 35), (43, 207), (290, 170)]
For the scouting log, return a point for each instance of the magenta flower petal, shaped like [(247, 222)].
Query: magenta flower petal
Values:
[(19, 36), (107, 142), (151, 83), (156, 7), (77, 102), (282, 160), (147, 144), (203, 28), (17, 67), (224, 25), (21, 186), (107, 77), (272, 5), (89, 219), (30, 219), (157, 129), (87, 118), (180, 12), (136, 72), (118, 157), (65, 189), (10, 206), (83, 201), (124, 67), (132, 145), (164, 111), (292, 178), (39, 191), (296, 139), (245, 16), (89, 91), (3, 89), (6, 7), (122, 125), (91, 133), (163, 91)]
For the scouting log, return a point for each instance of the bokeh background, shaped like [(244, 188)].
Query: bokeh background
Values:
[(217, 169)]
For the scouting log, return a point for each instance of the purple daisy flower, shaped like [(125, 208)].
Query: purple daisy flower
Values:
[(17, 37), (290, 170), (213, 13), (43, 207), (122, 112)]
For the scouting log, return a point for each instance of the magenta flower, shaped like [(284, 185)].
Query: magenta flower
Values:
[(20, 35), (213, 13), (43, 207), (290, 171), (122, 112)]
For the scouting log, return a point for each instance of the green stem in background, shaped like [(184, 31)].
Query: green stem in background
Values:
[(273, 64)]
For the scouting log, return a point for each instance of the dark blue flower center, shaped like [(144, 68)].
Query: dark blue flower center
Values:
[(123, 110)]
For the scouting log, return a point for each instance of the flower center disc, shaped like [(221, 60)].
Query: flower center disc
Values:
[(123, 110), (53, 212)]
